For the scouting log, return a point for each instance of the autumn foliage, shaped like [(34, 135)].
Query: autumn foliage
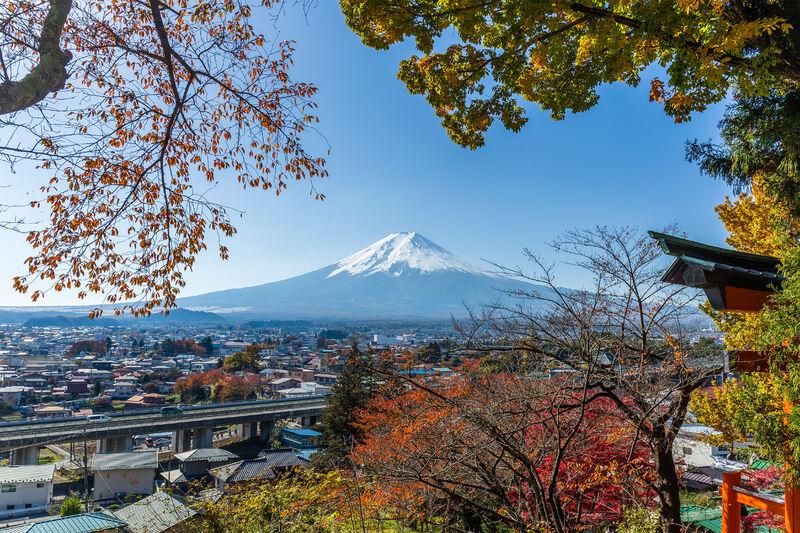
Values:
[(503, 449), (97, 346), (216, 385), (161, 101)]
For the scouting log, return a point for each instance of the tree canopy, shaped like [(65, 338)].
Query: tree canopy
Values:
[(136, 110)]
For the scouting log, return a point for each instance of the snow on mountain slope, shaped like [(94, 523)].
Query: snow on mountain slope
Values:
[(398, 252), (403, 275)]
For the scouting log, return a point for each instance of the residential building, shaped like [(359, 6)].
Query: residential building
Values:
[(145, 401), (692, 449), (326, 379), (123, 473), (268, 465), (15, 395), (46, 412), (280, 384), (196, 463), (301, 374), (25, 489), (300, 438)]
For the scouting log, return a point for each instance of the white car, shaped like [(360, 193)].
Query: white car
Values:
[(98, 418)]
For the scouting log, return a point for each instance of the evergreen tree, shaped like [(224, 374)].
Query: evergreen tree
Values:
[(208, 345), (167, 347), (356, 386)]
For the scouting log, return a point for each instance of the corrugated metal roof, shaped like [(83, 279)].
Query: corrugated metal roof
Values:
[(704, 517), (81, 523), (303, 432), (26, 473), (124, 461), (155, 514), (174, 476), (281, 458), (206, 454), (760, 464), (243, 471)]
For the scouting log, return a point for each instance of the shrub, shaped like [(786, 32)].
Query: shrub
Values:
[(71, 505)]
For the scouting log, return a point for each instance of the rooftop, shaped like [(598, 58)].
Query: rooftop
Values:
[(732, 280), (206, 454), (154, 514), (80, 523), (302, 432), (243, 471), (124, 461), (27, 473)]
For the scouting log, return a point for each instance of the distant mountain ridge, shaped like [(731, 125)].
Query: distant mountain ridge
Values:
[(77, 316), (403, 275)]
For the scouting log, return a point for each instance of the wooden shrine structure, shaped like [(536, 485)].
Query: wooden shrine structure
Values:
[(734, 282)]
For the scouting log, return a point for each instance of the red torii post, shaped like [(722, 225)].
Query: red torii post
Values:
[(734, 282)]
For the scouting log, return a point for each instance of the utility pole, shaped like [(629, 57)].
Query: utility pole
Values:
[(85, 473)]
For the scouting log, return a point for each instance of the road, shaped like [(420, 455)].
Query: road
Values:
[(22, 434)]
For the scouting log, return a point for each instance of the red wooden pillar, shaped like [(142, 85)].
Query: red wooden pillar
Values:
[(731, 508), (791, 498), (791, 509)]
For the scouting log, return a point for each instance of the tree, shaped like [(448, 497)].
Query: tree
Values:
[(129, 107), (557, 53), (71, 505), (757, 222), (234, 389), (624, 335), (760, 135), (483, 451), (208, 345), (356, 385), (196, 387), (306, 501), (167, 347), (246, 361), (88, 346)]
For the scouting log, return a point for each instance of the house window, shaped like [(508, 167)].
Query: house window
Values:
[(687, 451), (9, 488), (9, 507), (28, 505), (39, 485)]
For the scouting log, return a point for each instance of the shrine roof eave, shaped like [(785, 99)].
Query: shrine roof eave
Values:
[(701, 265)]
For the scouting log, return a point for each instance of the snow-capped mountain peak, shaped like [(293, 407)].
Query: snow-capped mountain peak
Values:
[(399, 253)]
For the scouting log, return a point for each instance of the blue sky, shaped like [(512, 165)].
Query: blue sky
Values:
[(394, 169)]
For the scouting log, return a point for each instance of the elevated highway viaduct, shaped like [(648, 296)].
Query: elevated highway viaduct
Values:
[(191, 428)]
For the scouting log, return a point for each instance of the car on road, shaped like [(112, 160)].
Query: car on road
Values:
[(98, 418), (171, 410)]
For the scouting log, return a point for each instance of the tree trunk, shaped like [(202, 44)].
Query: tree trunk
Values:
[(668, 489)]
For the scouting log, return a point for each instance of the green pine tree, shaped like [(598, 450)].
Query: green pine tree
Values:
[(357, 385)]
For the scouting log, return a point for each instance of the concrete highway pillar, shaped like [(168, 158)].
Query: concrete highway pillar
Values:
[(25, 456), (202, 437), (308, 421), (265, 429), (115, 445), (181, 440), (248, 430)]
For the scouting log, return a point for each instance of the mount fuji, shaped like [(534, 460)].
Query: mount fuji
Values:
[(403, 275)]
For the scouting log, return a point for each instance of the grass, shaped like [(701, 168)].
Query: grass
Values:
[(47, 457), (701, 499)]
